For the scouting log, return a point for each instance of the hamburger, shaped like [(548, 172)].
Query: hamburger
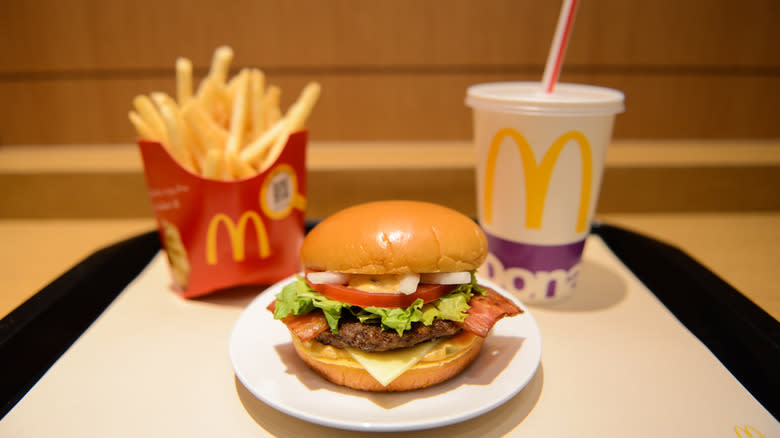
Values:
[(388, 299)]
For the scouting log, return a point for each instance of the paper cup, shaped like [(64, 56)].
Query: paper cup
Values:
[(221, 234), (539, 162)]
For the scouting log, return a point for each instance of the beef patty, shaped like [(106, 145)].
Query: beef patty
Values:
[(371, 338)]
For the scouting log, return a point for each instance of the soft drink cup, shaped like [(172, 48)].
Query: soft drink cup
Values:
[(539, 164)]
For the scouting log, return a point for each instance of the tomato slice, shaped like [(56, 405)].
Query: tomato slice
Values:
[(356, 297)]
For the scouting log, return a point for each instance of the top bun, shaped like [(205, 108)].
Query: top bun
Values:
[(395, 237)]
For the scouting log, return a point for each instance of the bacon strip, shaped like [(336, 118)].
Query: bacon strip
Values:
[(485, 311), (305, 327)]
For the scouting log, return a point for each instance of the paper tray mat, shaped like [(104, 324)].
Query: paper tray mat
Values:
[(615, 362)]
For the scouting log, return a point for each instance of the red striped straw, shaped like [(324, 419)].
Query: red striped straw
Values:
[(558, 49)]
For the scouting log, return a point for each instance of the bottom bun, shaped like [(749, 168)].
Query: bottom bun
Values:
[(350, 374)]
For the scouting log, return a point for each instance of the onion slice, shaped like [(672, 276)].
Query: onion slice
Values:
[(446, 278), (408, 283), (327, 277)]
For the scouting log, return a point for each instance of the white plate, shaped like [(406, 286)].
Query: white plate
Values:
[(266, 363)]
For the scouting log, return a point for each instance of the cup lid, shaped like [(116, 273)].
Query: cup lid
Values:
[(529, 97)]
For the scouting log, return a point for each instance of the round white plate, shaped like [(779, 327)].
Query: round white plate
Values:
[(266, 364)]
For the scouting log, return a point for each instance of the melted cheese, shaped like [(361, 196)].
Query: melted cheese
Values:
[(386, 366)]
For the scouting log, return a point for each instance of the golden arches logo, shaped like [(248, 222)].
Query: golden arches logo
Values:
[(237, 235), (537, 176), (748, 432)]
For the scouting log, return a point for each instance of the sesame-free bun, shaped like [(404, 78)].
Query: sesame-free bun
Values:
[(395, 237), (422, 375)]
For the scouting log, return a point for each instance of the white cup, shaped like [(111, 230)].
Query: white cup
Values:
[(540, 160)]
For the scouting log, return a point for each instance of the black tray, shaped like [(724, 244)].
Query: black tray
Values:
[(740, 334)]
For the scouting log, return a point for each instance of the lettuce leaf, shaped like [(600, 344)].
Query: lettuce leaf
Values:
[(298, 298)]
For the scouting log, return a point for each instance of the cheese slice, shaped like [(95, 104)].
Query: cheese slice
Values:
[(386, 366)]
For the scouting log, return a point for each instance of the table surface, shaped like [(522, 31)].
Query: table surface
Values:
[(741, 248)]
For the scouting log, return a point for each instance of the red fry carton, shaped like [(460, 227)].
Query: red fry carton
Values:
[(220, 234)]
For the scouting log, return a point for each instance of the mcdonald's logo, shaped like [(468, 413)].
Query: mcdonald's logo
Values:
[(237, 235), (537, 176), (748, 432)]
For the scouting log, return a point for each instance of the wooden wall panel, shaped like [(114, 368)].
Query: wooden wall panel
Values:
[(398, 107), (702, 69), (97, 35), (52, 35)]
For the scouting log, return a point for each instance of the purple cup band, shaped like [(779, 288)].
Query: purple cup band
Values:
[(535, 257)]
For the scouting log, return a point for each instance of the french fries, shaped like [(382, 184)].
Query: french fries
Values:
[(227, 128), (183, 80)]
